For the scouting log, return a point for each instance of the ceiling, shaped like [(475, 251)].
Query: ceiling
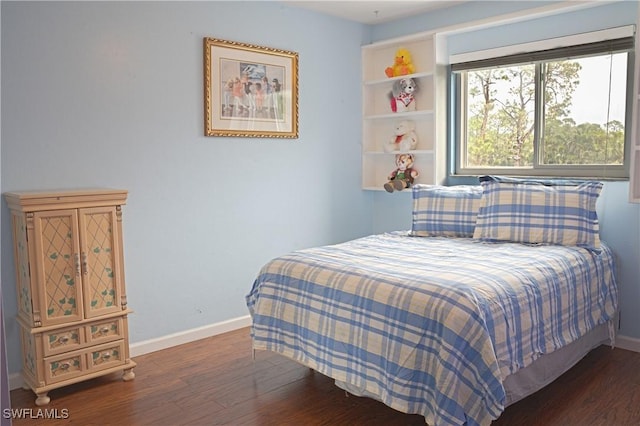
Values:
[(372, 12)]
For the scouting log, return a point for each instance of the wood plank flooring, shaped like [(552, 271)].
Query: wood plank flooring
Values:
[(214, 381)]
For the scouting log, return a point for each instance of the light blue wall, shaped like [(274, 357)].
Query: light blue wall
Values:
[(110, 94), (619, 219), (575, 22)]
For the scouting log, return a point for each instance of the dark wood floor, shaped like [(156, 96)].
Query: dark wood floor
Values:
[(214, 381)]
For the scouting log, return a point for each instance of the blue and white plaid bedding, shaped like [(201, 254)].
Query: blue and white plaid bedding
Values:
[(430, 325)]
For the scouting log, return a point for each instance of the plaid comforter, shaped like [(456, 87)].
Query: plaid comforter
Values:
[(430, 325)]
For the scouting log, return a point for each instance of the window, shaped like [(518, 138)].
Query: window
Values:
[(557, 113)]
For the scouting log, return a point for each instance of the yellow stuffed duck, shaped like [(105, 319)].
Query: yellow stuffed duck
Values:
[(402, 64)]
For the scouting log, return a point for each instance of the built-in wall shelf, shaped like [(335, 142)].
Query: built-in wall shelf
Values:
[(379, 121)]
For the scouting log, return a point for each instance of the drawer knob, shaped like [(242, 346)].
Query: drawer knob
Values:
[(106, 355), (64, 339), (104, 330), (65, 366)]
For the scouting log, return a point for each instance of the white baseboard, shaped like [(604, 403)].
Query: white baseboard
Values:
[(175, 339), (15, 381), (628, 343)]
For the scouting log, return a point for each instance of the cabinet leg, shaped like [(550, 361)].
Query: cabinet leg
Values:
[(128, 375), (42, 399)]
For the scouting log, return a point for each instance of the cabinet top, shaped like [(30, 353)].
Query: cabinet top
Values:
[(52, 200)]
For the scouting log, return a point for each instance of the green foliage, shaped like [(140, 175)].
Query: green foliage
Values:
[(587, 143)]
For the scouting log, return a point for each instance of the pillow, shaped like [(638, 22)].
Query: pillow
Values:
[(544, 212), (445, 211)]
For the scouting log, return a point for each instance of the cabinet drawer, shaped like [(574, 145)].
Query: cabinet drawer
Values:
[(84, 361), (63, 367), (105, 331), (63, 340), (105, 356)]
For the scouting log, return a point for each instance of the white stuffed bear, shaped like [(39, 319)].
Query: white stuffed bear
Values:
[(404, 139)]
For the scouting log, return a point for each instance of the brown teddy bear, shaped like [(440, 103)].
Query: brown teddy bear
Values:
[(404, 174)]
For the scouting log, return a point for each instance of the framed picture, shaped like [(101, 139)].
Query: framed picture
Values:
[(249, 91)]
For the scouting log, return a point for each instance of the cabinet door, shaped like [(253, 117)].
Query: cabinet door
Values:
[(57, 247), (100, 257)]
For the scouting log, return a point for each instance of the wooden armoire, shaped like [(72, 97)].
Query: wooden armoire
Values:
[(72, 303)]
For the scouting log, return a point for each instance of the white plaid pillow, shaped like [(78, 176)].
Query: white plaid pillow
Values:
[(528, 211), (445, 211)]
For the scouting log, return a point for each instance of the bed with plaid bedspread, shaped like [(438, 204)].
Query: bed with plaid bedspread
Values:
[(430, 325)]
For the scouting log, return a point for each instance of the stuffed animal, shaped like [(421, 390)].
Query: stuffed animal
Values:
[(402, 65), (402, 96), (404, 174), (404, 138)]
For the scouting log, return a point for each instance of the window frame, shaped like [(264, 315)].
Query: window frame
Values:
[(458, 110)]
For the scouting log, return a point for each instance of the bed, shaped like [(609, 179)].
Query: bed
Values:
[(495, 291)]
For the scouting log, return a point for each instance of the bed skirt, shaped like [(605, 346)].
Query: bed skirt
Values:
[(543, 371)]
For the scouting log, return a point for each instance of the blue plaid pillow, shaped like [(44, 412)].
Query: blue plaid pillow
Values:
[(445, 211), (544, 212)]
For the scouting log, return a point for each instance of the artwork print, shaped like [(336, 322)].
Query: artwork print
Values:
[(250, 91)]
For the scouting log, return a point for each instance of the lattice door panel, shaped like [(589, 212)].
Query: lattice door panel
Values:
[(57, 243), (100, 260)]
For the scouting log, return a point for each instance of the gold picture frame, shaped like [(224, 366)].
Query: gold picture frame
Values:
[(249, 90)]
